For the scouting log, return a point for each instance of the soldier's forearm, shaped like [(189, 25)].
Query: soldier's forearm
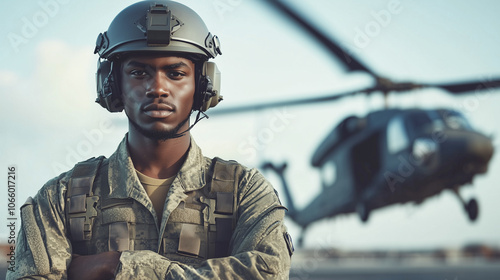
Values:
[(98, 267), (269, 259)]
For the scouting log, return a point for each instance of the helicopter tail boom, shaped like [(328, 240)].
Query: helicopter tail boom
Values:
[(280, 170)]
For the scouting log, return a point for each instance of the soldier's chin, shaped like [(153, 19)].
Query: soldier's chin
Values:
[(156, 134), (160, 134), (163, 135)]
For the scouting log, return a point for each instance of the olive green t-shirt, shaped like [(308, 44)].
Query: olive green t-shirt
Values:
[(157, 190)]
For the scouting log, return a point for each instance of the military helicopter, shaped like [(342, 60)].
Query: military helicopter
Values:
[(393, 156), (388, 156)]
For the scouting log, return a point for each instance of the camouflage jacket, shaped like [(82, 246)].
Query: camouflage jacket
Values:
[(259, 248)]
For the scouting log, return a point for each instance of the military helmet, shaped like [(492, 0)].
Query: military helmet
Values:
[(157, 26), (164, 26)]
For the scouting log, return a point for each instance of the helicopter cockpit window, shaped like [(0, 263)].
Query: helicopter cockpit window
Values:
[(328, 174), (420, 119), (437, 120), (397, 138), (456, 120)]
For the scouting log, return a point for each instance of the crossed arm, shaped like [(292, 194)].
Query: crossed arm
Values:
[(98, 267), (259, 249)]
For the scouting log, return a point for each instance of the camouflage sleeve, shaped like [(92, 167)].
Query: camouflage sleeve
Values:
[(259, 246), (42, 250)]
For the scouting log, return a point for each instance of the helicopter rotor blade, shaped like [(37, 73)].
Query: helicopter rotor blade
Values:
[(293, 102), (344, 56), (466, 87), (382, 85), (353, 64)]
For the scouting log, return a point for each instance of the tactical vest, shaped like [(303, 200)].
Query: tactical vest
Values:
[(203, 236)]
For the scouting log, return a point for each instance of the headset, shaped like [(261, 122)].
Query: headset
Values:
[(207, 93)]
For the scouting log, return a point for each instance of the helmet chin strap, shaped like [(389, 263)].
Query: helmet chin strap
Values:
[(198, 118)]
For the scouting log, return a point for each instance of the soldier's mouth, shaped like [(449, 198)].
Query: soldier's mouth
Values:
[(158, 110)]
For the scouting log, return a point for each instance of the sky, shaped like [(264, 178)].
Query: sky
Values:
[(49, 120)]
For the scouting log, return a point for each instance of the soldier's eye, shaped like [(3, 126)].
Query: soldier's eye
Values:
[(138, 73), (176, 75)]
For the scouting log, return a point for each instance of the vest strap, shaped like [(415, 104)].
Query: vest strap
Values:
[(81, 202), (222, 206)]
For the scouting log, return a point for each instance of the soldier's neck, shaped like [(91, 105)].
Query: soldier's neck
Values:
[(158, 159)]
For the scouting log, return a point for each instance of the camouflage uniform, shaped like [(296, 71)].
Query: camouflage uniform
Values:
[(258, 248)]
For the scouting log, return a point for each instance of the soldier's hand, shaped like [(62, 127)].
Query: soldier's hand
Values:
[(94, 267)]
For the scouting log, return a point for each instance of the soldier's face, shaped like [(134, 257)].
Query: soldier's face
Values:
[(157, 93)]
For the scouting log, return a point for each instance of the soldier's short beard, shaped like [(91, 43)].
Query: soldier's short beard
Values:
[(160, 135)]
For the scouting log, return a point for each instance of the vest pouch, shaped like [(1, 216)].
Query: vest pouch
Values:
[(119, 239), (186, 234), (127, 225), (120, 224)]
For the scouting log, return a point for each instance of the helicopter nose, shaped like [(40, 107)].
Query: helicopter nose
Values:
[(476, 148), (481, 146)]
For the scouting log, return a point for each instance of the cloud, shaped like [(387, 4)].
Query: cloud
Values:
[(8, 78), (65, 78), (48, 112), (58, 91)]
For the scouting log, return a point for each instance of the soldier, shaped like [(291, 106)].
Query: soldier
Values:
[(157, 208)]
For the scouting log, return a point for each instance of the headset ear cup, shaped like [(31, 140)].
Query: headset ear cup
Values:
[(211, 91), (108, 94)]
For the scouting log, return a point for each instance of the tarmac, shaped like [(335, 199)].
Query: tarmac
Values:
[(306, 268), (393, 269)]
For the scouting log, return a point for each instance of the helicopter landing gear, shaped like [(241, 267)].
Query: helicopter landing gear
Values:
[(471, 207), (300, 242), (363, 211)]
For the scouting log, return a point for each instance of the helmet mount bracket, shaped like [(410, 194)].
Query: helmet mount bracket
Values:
[(158, 25), (101, 43)]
